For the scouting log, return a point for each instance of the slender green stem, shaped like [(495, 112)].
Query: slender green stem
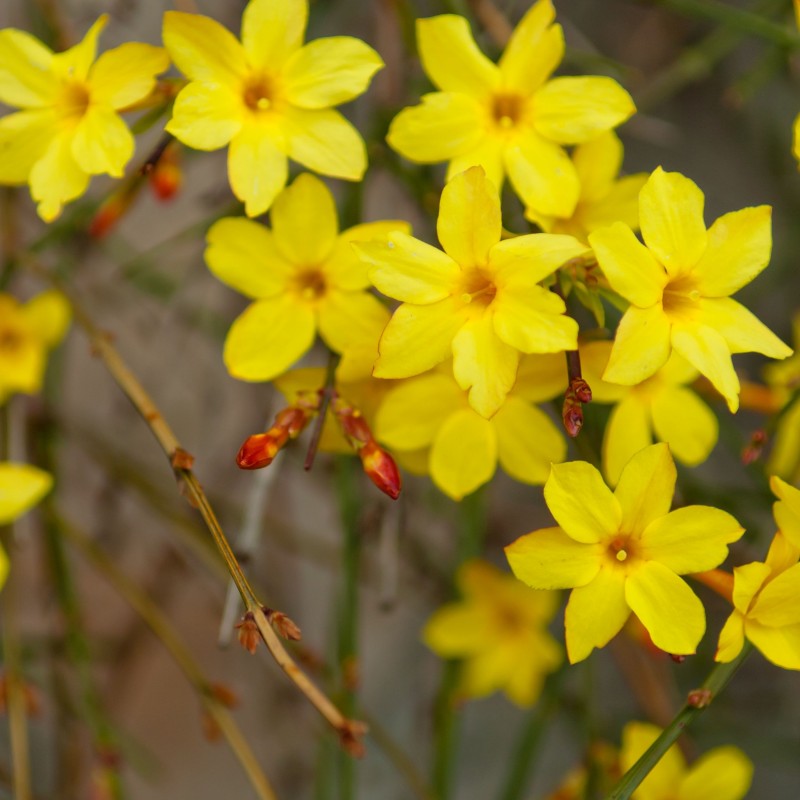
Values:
[(714, 684)]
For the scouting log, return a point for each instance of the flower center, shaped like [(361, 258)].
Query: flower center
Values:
[(681, 297), (510, 620), (259, 93), (11, 340), (507, 110), (622, 548), (477, 287), (74, 101), (311, 284)]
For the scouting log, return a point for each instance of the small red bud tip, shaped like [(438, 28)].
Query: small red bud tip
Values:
[(108, 215), (754, 448), (350, 734), (581, 390), (166, 178), (572, 416), (259, 450), (699, 698), (677, 659), (284, 626), (381, 469), (249, 636)]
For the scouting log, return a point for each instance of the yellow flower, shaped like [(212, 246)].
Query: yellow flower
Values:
[(479, 300), (21, 488), (623, 552), (499, 629), (679, 284), (604, 198), (507, 117), (724, 773), (766, 596), (303, 275), (462, 449), (27, 332), (69, 128), (660, 407), (268, 97)]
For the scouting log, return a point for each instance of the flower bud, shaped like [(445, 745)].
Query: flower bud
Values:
[(166, 176), (381, 469)]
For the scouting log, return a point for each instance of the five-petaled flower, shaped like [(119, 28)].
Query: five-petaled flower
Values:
[(499, 629), (479, 300), (679, 285), (303, 275), (507, 117), (268, 97), (69, 127), (623, 552)]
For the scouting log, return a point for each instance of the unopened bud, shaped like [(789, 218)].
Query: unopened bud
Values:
[(572, 416), (284, 626), (354, 426), (249, 636), (166, 176), (110, 213), (260, 449), (699, 698), (350, 734), (381, 469), (581, 390), (754, 448)]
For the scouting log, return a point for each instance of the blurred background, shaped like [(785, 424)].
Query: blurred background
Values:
[(716, 101)]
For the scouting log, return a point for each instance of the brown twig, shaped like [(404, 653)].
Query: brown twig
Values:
[(493, 20)]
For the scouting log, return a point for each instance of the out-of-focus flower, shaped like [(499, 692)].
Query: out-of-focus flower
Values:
[(27, 332), (479, 300), (303, 275), (269, 97), (661, 407), (507, 117), (431, 413), (724, 773), (69, 127), (766, 596), (499, 629), (679, 284), (624, 551), (604, 197)]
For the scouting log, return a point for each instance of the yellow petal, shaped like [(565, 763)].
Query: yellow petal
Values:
[(206, 116), (488, 154), (667, 607), (304, 221), (671, 213), (527, 441), (272, 30), (268, 338), (126, 74), (597, 163), (621, 204), (747, 582), (787, 510), (641, 347), (24, 139), (408, 269), (324, 141), (784, 459), (74, 64), (594, 359), (25, 78), (521, 321), (418, 338), (450, 57), (595, 614), (469, 218), (489, 670), (412, 413), (348, 318), (526, 260), (464, 454), (543, 175), (646, 487), (685, 423), (574, 110), (21, 487), (456, 630), (662, 780), (329, 71), (628, 264), (48, 316), (628, 431), (56, 178), (243, 255), (781, 646), (581, 502), (739, 247), (707, 351), (540, 377), (782, 554), (778, 604), (102, 143), (731, 638), (742, 331), (540, 656), (724, 773), (257, 168), (549, 559), (484, 364), (445, 125), (690, 539), (204, 50), (344, 267), (534, 50)]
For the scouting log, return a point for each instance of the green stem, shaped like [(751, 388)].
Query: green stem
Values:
[(714, 684)]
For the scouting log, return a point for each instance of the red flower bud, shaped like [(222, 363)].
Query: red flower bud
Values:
[(166, 178), (110, 212), (260, 449), (381, 469)]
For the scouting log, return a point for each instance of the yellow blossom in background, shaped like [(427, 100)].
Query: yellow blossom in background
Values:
[(507, 117), (69, 127), (661, 407), (724, 773), (604, 197), (27, 332), (461, 448), (678, 284), (623, 552), (21, 487), (499, 629), (304, 277), (269, 97), (766, 596), (479, 300)]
